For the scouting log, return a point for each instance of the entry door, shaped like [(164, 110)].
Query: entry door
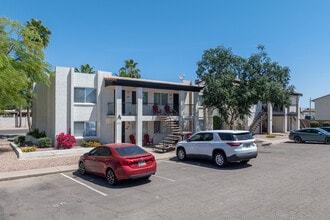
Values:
[(176, 102), (123, 132), (123, 96)]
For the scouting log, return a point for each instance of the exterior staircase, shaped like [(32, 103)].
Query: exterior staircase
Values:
[(172, 137), (262, 115)]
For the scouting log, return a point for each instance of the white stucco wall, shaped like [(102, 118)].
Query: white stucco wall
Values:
[(322, 108)]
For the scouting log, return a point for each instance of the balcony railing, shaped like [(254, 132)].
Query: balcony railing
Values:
[(150, 109)]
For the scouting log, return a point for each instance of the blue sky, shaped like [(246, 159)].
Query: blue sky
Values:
[(168, 38)]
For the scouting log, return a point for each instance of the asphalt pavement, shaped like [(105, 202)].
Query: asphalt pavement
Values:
[(261, 140)]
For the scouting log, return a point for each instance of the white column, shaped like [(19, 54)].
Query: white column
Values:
[(196, 112), (285, 123), (118, 114), (139, 114), (181, 108), (298, 111), (270, 118)]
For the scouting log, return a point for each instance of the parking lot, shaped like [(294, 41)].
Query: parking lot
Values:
[(286, 181)]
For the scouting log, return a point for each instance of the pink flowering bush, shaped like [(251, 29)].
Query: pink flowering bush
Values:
[(65, 141)]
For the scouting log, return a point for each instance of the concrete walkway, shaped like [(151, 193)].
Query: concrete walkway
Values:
[(261, 140)]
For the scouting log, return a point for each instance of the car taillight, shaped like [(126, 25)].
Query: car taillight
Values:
[(125, 162), (234, 144)]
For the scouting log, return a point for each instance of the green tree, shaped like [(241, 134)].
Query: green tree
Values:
[(234, 84), (22, 61), (130, 69), (85, 69), (268, 81), (220, 69)]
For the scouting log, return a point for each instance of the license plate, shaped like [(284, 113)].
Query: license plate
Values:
[(141, 163), (247, 145)]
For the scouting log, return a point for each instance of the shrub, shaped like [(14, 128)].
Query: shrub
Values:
[(90, 143), (326, 124), (45, 142), (19, 140), (270, 135), (65, 141), (314, 124), (29, 149), (36, 134)]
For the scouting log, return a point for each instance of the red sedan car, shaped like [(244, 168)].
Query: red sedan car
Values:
[(118, 162)]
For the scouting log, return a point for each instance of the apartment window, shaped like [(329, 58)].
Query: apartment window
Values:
[(160, 98), (84, 95), (145, 98), (84, 129)]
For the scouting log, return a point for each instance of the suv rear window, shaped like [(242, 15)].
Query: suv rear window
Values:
[(235, 137)]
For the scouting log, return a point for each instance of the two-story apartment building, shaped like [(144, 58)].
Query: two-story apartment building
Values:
[(114, 109), (270, 118), (322, 107)]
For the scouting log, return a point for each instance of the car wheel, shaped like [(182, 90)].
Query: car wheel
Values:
[(181, 154), (297, 139), (111, 177), (220, 159), (82, 169), (327, 141)]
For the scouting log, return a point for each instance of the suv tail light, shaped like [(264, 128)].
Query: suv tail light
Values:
[(234, 144)]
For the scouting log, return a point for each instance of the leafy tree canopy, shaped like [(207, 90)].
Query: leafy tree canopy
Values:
[(130, 70), (234, 84), (21, 61)]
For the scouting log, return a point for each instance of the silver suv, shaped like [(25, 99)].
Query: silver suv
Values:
[(222, 146)]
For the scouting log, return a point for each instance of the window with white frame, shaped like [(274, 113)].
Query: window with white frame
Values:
[(84, 95), (160, 98), (84, 129)]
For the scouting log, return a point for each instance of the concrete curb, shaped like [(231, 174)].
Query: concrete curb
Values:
[(49, 153)]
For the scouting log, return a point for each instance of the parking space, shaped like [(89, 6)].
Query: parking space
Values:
[(286, 181)]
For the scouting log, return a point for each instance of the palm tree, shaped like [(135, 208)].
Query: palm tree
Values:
[(85, 69), (39, 34), (130, 69), (44, 32)]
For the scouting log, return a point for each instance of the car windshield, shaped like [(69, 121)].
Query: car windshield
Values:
[(130, 150), (236, 137)]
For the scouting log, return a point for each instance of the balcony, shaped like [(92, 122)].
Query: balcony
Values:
[(150, 109)]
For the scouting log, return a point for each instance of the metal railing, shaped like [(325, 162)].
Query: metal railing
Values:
[(129, 108)]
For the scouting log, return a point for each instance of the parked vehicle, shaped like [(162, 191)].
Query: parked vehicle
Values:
[(326, 128), (221, 146), (310, 134), (117, 162)]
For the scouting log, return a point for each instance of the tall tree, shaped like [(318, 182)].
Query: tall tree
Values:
[(22, 58), (85, 69), (220, 69), (130, 70), (234, 84)]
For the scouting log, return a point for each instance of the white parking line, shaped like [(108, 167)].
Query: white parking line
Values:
[(83, 184), (165, 178)]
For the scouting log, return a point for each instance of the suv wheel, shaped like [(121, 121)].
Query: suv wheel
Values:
[(181, 153), (220, 159)]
